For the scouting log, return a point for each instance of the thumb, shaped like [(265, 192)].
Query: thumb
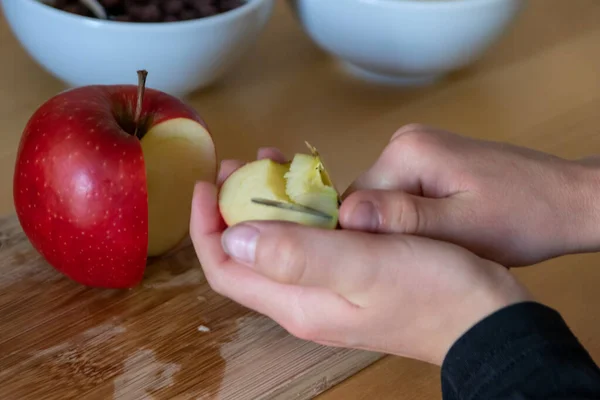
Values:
[(386, 211), (298, 255)]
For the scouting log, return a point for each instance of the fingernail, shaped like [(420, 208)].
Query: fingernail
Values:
[(364, 217), (239, 242)]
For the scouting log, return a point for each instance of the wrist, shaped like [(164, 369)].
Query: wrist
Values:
[(499, 290), (581, 217)]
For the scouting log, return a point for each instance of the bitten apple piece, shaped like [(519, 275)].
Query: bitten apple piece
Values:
[(308, 184), (177, 154), (297, 183)]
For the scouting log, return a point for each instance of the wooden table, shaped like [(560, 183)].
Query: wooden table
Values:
[(539, 87)]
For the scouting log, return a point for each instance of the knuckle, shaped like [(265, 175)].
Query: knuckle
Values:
[(303, 331), (414, 142), (413, 127), (282, 258), (215, 283), (401, 214)]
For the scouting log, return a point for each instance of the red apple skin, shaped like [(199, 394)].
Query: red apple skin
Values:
[(80, 182)]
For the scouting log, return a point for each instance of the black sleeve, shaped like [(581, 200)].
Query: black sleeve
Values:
[(522, 352)]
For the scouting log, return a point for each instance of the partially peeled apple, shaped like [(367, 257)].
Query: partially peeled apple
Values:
[(104, 179), (291, 190)]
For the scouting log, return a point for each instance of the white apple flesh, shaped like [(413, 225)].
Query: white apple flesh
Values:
[(301, 182), (307, 183), (177, 154)]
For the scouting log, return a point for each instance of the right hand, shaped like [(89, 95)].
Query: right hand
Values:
[(509, 204)]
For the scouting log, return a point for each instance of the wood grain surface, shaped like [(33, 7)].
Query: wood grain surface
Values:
[(171, 338), (539, 87)]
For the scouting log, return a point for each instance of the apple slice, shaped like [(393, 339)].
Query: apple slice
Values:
[(302, 182)]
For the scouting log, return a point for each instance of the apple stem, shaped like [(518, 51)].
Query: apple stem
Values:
[(142, 75)]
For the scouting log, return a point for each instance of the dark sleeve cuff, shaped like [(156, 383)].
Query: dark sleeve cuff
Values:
[(516, 350)]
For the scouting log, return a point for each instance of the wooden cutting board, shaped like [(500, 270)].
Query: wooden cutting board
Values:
[(170, 338)]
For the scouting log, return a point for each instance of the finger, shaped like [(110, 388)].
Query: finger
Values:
[(298, 255), (271, 153), (398, 212), (309, 313), (206, 224), (228, 167), (416, 161), (391, 171)]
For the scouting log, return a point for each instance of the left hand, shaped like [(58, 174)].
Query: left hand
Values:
[(394, 293), (513, 205)]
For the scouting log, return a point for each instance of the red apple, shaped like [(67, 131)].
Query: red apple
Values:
[(104, 179)]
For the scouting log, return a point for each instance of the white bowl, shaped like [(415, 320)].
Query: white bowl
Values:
[(180, 57), (405, 41)]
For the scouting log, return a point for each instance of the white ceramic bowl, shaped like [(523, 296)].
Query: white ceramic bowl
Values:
[(405, 41), (180, 57)]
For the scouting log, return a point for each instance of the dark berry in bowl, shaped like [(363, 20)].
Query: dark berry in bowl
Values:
[(153, 10)]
